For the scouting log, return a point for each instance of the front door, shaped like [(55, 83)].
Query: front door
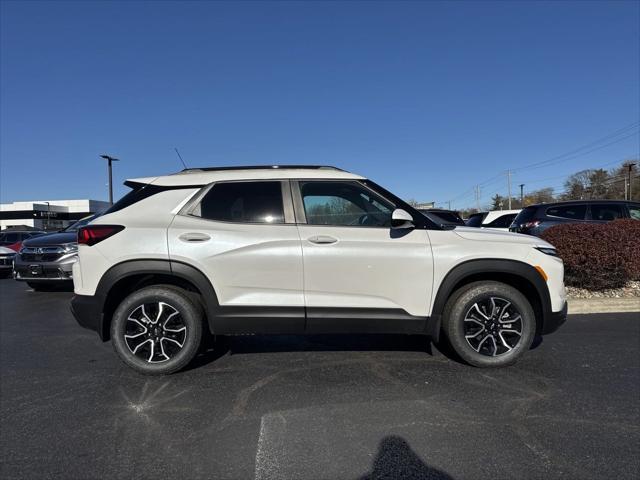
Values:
[(359, 273), (243, 237)]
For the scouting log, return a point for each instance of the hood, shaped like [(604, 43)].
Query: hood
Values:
[(487, 235), (7, 251), (51, 239)]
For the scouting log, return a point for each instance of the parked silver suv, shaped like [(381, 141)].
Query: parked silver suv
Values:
[(46, 261)]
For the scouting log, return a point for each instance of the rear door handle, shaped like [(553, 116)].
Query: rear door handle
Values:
[(322, 239), (194, 237)]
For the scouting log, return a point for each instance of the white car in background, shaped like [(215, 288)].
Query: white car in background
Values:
[(495, 220)]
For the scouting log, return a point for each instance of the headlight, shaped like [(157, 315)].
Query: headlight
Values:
[(547, 251), (71, 247)]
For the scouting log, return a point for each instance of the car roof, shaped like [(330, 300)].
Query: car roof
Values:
[(206, 175), (579, 202)]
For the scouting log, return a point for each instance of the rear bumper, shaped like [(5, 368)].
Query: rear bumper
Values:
[(87, 310), (554, 320)]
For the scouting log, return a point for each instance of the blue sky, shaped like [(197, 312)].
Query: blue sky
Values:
[(426, 98)]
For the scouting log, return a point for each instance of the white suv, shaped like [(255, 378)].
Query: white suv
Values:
[(302, 249)]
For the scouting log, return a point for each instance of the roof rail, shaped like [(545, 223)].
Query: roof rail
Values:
[(260, 167)]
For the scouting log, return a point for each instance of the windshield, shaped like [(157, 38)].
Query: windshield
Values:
[(476, 219)]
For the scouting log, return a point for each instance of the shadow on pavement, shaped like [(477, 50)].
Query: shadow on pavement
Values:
[(396, 459)]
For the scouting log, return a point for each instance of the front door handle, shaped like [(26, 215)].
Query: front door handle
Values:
[(322, 239), (194, 237)]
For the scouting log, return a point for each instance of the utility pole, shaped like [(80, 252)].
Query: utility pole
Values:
[(110, 160), (449, 204), (509, 186), (477, 190), (630, 167), (522, 195)]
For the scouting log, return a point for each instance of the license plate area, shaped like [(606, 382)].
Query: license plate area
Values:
[(35, 270)]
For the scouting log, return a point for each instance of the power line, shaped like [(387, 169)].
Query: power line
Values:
[(561, 157), (577, 152)]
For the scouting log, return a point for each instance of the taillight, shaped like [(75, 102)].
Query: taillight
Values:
[(92, 234), (531, 224)]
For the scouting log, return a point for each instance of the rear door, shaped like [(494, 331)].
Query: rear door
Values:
[(359, 274), (242, 236)]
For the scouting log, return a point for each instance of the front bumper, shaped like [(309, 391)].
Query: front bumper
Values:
[(554, 320), (87, 310), (30, 271), (6, 262)]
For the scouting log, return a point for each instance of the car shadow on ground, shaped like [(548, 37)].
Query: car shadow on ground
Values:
[(247, 344), (220, 346), (396, 459)]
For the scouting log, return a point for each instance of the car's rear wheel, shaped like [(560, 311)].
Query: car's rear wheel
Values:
[(157, 330), (489, 324)]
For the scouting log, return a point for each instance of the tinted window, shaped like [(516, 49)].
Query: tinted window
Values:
[(606, 212), (525, 215), (475, 220), (11, 237), (634, 212), (448, 217), (344, 203), (247, 202), (503, 221), (574, 212), (140, 191)]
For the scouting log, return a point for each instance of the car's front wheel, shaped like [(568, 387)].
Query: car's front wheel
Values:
[(489, 324), (157, 330)]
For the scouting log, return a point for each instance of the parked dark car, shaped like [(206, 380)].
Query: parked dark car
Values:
[(46, 261), (442, 217), (535, 219), (13, 237)]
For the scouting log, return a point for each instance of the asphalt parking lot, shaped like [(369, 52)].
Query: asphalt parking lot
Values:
[(352, 407)]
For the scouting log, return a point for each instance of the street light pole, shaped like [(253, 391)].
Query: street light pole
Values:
[(110, 160), (630, 167)]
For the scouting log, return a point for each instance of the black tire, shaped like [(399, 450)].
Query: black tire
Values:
[(42, 286), (465, 315), (149, 343)]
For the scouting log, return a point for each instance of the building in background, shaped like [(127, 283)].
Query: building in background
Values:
[(47, 214)]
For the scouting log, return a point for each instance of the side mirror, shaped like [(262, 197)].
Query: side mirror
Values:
[(401, 219)]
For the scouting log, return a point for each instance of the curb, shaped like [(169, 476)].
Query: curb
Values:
[(603, 305)]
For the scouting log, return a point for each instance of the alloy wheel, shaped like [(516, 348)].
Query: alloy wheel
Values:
[(493, 326), (155, 332)]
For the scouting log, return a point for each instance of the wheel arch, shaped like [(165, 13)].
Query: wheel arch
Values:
[(125, 277), (519, 275)]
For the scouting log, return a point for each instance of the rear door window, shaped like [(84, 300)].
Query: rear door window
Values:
[(573, 212), (243, 202), (606, 211)]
